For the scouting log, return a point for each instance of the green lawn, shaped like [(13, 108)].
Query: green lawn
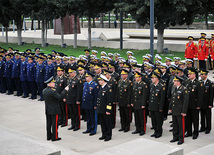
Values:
[(80, 50)]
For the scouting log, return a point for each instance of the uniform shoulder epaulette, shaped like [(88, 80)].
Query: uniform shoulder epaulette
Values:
[(207, 45), (195, 44), (53, 89)]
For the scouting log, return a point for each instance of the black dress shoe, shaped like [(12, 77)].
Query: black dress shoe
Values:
[(75, 129), (101, 138), (158, 136), (153, 135), (25, 96), (180, 142), (71, 128), (142, 133), (63, 125), (9, 93), (188, 135), (121, 129), (86, 132), (171, 125), (107, 139), (48, 138), (151, 128), (126, 130), (91, 134), (207, 131), (195, 137), (170, 121), (170, 130), (19, 94), (173, 140), (56, 139), (201, 130), (15, 95), (135, 132)]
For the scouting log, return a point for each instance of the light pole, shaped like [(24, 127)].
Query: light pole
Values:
[(152, 29), (121, 28)]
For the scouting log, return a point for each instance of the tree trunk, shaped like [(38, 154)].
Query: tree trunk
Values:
[(43, 33), (51, 24), (46, 32), (19, 30), (94, 25), (160, 43), (48, 26), (101, 20), (6, 34), (62, 31), (206, 21), (75, 31), (137, 25), (89, 32), (82, 22), (32, 24), (38, 24)]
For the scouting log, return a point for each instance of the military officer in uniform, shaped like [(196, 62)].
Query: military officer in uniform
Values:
[(89, 103), (196, 96), (139, 102), (52, 110), (206, 108), (203, 52), (40, 73), (61, 83), (104, 107), (113, 84), (191, 49), (7, 74), (156, 104), (73, 98), (2, 78), (23, 76), (81, 77), (31, 74), (178, 108), (98, 71), (16, 73), (49, 69), (123, 99)]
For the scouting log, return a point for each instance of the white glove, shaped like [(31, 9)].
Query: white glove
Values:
[(67, 88), (211, 59), (194, 58), (205, 59)]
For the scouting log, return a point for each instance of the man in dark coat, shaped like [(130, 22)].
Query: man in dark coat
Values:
[(104, 107), (156, 104), (207, 104), (52, 110), (178, 107), (73, 97), (139, 98)]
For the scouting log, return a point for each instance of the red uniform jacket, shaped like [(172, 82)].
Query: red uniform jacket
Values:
[(212, 49), (191, 50), (203, 51)]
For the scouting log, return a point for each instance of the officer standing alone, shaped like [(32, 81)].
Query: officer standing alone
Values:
[(52, 110)]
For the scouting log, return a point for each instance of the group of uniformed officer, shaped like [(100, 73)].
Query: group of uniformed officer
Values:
[(202, 53), (93, 88)]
